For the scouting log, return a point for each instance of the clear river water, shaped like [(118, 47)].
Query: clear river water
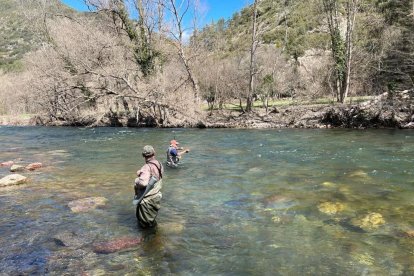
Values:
[(243, 202)]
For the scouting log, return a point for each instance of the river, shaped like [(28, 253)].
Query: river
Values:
[(243, 202)]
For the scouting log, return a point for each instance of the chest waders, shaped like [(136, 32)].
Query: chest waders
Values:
[(172, 161), (148, 205)]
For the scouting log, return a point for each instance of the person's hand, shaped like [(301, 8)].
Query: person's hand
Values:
[(187, 150)]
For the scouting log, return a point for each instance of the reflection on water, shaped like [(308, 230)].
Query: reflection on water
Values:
[(262, 202)]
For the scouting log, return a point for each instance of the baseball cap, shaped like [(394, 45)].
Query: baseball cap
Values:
[(174, 142), (148, 151)]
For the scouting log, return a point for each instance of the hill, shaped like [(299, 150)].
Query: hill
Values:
[(19, 29), (293, 26)]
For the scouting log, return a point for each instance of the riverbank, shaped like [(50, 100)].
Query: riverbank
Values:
[(383, 111), (17, 120)]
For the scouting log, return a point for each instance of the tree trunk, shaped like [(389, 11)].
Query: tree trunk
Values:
[(341, 48), (180, 44), (252, 66), (351, 11)]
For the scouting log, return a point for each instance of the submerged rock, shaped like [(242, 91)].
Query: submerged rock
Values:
[(34, 166), (13, 179), (72, 239), (173, 227), (328, 184), (68, 262), (363, 258), (116, 245), (358, 174), (331, 208), (276, 219), (370, 221), (409, 233), (278, 202), (6, 164), (86, 204)]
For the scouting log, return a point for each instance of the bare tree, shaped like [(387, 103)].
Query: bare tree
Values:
[(341, 45), (180, 33), (252, 63), (140, 32)]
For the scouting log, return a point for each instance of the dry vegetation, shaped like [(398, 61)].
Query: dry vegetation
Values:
[(105, 68)]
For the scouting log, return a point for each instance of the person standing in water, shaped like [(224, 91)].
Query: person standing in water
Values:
[(147, 188), (174, 153)]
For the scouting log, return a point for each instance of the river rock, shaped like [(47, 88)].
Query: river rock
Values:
[(173, 227), (370, 221), (410, 233), (358, 174), (34, 166), (275, 198), (86, 204), (6, 164), (12, 179), (328, 184), (17, 168), (116, 245), (72, 239), (331, 208), (277, 202)]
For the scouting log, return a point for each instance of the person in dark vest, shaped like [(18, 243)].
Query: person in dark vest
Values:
[(174, 153), (147, 188)]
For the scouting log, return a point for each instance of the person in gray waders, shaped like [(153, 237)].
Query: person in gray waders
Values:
[(147, 188), (174, 153)]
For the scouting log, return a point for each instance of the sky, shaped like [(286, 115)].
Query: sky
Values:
[(214, 9)]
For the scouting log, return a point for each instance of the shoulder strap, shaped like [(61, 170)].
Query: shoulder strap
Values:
[(158, 167)]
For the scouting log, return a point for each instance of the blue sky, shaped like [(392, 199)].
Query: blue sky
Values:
[(215, 9)]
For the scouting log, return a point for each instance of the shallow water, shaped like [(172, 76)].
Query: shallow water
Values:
[(243, 202)]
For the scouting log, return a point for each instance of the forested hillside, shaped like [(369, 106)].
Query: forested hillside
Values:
[(18, 33), (129, 62), (305, 33)]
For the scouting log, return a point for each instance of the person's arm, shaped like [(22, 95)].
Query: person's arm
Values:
[(144, 175), (183, 151)]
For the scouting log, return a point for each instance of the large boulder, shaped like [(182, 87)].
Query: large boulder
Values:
[(86, 204), (12, 179)]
